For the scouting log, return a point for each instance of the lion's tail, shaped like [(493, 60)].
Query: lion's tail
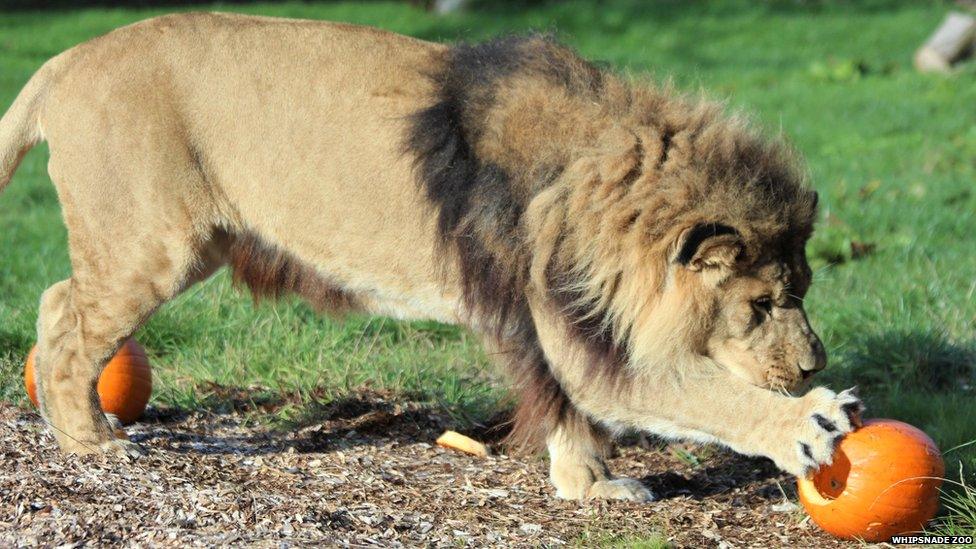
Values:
[(19, 128)]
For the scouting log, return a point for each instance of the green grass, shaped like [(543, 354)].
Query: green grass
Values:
[(892, 152), (606, 538), (959, 505)]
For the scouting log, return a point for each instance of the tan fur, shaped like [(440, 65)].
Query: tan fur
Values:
[(276, 146)]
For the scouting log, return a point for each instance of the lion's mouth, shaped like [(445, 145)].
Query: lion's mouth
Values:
[(779, 379)]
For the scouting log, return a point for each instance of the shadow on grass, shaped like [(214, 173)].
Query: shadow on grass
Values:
[(917, 361), (919, 377)]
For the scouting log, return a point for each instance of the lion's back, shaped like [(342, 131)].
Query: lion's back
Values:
[(294, 127)]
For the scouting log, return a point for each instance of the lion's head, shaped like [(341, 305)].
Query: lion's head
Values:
[(680, 239), (754, 322)]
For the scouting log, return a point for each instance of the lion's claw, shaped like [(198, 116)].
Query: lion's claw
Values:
[(826, 417), (124, 448), (625, 489)]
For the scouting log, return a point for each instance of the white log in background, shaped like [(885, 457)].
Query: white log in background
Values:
[(952, 41), (449, 6)]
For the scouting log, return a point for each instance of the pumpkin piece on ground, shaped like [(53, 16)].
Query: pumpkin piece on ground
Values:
[(457, 441)]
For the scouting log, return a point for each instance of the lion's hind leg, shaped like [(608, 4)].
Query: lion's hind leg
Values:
[(138, 234), (66, 378), (82, 323), (80, 326)]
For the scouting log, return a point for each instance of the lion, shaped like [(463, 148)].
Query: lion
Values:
[(634, 257)]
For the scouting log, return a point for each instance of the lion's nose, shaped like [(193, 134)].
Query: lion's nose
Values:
[(815, 361), (819, 356)]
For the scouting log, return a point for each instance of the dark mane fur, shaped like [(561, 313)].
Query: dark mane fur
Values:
[(468, 192), (488, 144)]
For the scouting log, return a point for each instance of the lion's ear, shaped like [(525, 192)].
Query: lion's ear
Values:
[(708, 245)]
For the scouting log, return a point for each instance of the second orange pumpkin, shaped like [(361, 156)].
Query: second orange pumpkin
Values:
[(123, 388)]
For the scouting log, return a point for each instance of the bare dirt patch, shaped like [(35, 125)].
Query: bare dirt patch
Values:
[(365, 473)]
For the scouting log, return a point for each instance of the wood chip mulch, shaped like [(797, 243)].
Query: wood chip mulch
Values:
[(365, 475)]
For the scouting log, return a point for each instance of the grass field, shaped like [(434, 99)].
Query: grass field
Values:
[(892, 153)]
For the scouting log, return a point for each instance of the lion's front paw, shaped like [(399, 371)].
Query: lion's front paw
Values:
[(122, 447), (626, 489), (825, 418)]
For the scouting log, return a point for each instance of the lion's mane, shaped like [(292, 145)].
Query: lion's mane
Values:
[(547, 173)]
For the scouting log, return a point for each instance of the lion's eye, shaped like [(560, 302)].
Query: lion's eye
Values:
[(763, 306)]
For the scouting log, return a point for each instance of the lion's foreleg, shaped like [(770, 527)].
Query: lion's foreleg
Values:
[(577, 450), (695, 397), (709, 402), (577, 446)]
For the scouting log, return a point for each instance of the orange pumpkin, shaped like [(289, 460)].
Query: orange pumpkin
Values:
[(884, 481), (124, 386)]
